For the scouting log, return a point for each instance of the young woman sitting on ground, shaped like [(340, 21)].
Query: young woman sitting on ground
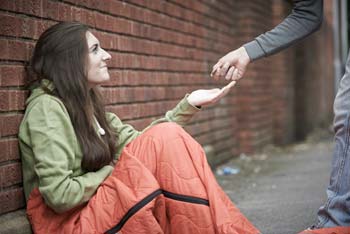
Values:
[(84, 171)]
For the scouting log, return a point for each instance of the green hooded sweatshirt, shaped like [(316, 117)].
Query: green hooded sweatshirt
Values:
[(51, 154)]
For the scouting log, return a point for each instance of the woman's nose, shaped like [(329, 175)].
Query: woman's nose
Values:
[(106, 55)]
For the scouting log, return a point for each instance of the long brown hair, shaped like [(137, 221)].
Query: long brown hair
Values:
[(60, 55)]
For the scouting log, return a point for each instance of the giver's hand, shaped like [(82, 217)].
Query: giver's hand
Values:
[(203, 97), (232, 66)]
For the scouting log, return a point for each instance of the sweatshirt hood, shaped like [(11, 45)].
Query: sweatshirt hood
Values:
[(38, 89)]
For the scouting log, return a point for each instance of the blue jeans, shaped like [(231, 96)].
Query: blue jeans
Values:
[(336, 210)]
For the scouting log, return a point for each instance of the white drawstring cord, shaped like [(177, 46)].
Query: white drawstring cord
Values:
[(100, 130)]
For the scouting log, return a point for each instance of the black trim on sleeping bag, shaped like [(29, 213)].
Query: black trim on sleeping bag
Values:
[(186, 198), (138, 206)]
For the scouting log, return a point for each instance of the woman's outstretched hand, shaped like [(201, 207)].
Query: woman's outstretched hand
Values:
[(203, 97)]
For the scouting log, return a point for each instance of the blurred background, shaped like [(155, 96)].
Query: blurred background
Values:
[(163, 49)]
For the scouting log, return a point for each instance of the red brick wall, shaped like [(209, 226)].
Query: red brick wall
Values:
[(254, 92), (266, 96), (160, 51), (282, 84)]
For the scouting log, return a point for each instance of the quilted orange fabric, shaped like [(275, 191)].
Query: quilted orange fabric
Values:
[(161, 184)]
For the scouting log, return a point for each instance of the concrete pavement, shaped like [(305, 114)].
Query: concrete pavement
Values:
[(281, 189)]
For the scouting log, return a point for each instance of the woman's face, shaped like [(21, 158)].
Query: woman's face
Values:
[(97, 70)]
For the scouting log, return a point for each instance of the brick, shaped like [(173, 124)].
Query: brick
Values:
[(9, 150), (12, 75), (77, 14), (9, 124), (51, 9), (15, 50), (12, 100), (141, 110), (64, 12), (11, 174), (28, 27), (40, 28), (4, 48), (8, 5), (115, 24), (151, 78), (126, 60), (185, 14), (31, 7), (11, 199), (90, 18), (121, 26), (142, 94), (9, 25), (100, 20)]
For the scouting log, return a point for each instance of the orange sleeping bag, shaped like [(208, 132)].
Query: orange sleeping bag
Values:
[(161, 184)]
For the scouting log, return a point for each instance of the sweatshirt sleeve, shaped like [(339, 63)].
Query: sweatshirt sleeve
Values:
[(306, 17), (53, 142), (181, 114)]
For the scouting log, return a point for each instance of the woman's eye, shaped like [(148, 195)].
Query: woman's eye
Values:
[(95, 49)]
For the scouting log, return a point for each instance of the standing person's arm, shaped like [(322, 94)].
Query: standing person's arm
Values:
[(306, 18)]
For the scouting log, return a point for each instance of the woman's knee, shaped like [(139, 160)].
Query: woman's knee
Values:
[(165, 131)]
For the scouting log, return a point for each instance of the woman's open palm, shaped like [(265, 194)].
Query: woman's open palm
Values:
[(203, 97)]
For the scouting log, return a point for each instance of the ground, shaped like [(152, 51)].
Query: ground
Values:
[(281, 189)]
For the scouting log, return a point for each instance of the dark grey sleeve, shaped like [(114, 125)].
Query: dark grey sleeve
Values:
[(305, 19)]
